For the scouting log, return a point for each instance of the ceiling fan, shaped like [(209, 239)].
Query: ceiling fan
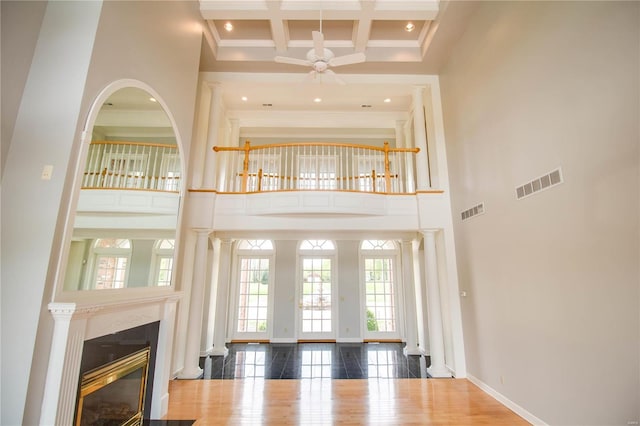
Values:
[(321, 59)]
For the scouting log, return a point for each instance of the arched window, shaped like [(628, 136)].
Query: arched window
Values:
[(255, 263), (255, 245), (317, 245), (163, 261), (378, 258), (112, 257), (378, 245)]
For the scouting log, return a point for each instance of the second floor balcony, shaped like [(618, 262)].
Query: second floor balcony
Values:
[(306, 166)]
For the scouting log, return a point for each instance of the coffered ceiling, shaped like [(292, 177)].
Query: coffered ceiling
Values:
[(259, 30)]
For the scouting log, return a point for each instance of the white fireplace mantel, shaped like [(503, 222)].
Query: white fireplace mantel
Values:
[(75, 322)]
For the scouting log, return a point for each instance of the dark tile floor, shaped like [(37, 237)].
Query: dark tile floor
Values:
[(315, 360)]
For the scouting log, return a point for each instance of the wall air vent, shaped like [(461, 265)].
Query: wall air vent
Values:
[(473, 211), (552, 178)]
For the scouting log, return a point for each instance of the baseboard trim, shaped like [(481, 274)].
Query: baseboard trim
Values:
[(283, 340), (175, 374), (506, 401), (349, 340)]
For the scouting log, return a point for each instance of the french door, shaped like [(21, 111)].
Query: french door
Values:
[(316, 299)]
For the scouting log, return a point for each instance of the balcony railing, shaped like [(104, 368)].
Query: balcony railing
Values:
[(316, 166), (132, 165)]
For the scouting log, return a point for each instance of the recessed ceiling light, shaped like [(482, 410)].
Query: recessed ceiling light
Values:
[(409, 27), (316, 100), (228, 26), (386, 101), (153, 99), (244, 99)]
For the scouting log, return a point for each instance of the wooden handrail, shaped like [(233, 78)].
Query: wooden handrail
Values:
[(316, 165), (247, 146), (147, 144)]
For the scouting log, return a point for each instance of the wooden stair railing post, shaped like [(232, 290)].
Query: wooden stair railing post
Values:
[(373, 179), (387, 174), (245, 166)]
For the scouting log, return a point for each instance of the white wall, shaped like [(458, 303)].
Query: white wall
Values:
[(552, 280), (155, 42), (349, 276), (21, 22), (284, 301), (44, 131)]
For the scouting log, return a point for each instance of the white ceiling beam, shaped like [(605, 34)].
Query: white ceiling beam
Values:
[(362, 27), (318, 119), (279, 27), (212, 37), (433, 27)]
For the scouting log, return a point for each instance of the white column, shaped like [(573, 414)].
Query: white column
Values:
[(400, 139), (420, 137), (222, 300), (213, 139), (231, 139), (200, 136), (162, 375), (211, 314), (59, 400), (410, 318), (421, 320), (192, 368), (234, 135), (436, 338)]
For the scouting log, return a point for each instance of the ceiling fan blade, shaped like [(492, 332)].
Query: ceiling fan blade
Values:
[(318, 43), (335, 77), (354, 58), (292, 61)]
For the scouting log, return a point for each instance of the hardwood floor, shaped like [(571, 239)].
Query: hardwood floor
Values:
[(332, 402)]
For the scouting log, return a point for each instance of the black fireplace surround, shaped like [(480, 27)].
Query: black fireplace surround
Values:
[(103, 350)]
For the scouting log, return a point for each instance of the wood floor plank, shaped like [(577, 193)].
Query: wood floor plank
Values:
[(344, 402)]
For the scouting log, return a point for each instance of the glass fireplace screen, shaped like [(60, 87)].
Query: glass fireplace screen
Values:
[(113, 394)]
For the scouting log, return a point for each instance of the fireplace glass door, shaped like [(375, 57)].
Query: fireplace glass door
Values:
[(114, 393)]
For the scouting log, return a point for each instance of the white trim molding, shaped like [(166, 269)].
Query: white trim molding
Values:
[(506, 401)]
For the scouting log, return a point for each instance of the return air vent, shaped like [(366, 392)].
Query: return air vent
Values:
[(473, 211), (539, 184)]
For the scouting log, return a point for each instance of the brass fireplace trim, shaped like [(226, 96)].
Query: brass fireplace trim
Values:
[(109, 373)]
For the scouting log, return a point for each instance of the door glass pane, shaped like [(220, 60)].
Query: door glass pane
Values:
[(254, 295), (111, 272), (316, 295), (165, 267), (379, 297)]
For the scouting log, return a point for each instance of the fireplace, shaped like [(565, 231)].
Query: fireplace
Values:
[(88, 336), (113, 394)]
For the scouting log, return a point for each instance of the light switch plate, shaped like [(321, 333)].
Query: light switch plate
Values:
[(47, 171)]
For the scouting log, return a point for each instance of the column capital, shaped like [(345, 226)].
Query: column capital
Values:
[(213, 85), (201, 231)]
